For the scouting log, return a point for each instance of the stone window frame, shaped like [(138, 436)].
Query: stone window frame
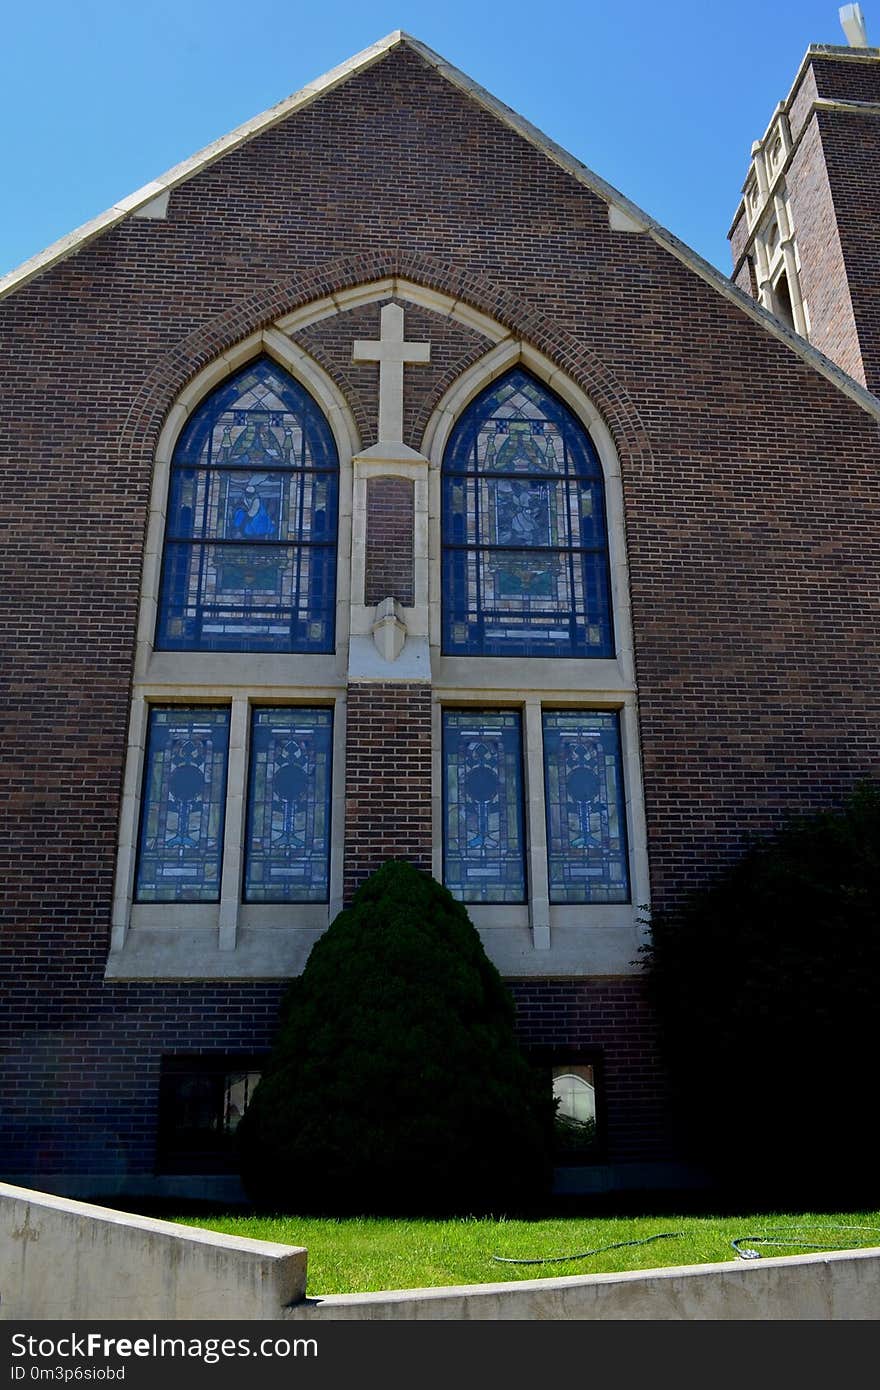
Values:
[(257, 940), (534, 940), (539, 938), (232, 938)]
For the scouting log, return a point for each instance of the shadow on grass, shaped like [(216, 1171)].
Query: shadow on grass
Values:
[(715, 1202)]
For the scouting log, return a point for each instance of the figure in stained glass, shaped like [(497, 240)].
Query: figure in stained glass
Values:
[(255, 513), (250, 547), (525, 566)]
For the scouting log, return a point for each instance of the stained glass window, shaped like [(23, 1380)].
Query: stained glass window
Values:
[(586, 820), (288, 828), (181, 835), (483, 842), (525, 556), (250, 540)]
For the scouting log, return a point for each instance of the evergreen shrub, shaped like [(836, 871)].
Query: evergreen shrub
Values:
[(396, 1084), (767, 989)]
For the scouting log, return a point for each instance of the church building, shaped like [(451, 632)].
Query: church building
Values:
[(384, 484)]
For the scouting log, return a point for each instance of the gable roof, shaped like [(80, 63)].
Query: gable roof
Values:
[(625, 215)]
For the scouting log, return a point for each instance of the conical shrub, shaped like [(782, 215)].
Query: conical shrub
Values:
[(396, 1084)]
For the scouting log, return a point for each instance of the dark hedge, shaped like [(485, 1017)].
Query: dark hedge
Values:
[(396, 1084), (767, 989)]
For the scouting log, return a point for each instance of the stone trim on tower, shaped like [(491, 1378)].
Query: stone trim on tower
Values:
[(804, 238)]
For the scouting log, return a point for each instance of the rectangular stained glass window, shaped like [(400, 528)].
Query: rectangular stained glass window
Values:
[(483, 840), (180, 849), (586, 816), (288, 825)]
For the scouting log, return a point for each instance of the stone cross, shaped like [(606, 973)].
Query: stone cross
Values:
[(391, 352)]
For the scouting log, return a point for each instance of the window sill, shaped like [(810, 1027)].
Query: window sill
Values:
[(179, 952), (181, 942)]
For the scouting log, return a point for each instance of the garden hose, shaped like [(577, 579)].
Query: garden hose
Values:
[(600, 1249), (743, 1245)]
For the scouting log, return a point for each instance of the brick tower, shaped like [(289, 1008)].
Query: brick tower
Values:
[(806, 235)]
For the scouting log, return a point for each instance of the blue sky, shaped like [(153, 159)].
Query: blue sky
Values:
[(100, 96)]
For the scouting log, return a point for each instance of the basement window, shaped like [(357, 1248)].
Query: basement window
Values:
[(574, 1078), (201, 1102)]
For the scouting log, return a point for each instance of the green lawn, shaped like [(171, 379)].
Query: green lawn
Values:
[(356, 1256)]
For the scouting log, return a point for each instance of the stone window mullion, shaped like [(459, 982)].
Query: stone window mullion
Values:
[(536, 825), (233, 838), (129, 821)]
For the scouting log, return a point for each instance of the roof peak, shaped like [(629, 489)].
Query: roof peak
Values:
[(625, 214)]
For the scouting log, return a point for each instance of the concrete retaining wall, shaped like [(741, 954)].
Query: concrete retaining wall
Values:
[(843, 1285), (65, 1259)]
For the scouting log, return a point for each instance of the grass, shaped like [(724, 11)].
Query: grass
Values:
[(365, 1254)]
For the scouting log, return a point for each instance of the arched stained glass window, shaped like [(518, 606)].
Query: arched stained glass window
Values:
[(525, 551), (250, 539)]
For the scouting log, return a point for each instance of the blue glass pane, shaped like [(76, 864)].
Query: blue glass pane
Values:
[(524, 533), (248, 598), (483, 843), (181, 836), (259, 418), (524, 603), (255, 473), (288, 824), (523, 512), (586, 819), (227, 505)]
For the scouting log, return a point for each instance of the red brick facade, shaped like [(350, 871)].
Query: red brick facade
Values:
[(609, 1017), (389, 560), (388, 778), (751, 512), (454, 348), (833, 181)]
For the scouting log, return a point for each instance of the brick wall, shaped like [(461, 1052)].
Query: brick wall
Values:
[(849, 78), (81, 1059), (851, 145), (390, 538), (454, 347), (610, 1016), (802, 101), (739, 235), (752, 529), (388, 778), (823, 274)]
